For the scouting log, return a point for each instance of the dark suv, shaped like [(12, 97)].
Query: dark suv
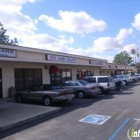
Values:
[(106, 83)]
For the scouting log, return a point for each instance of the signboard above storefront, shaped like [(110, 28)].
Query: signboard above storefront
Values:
[(112, 66), (52, 57), (96, 62), (7, 53)]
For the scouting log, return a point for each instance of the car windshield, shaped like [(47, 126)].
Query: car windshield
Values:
[(83, 82)]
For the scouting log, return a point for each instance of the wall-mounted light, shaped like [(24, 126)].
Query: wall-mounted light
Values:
[(46, 67)]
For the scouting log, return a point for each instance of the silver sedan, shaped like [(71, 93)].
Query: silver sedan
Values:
[(81, 88)]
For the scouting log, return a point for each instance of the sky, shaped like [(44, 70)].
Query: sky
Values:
[(94, 28)]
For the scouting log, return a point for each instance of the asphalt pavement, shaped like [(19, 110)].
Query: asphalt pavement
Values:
[(102, 117)]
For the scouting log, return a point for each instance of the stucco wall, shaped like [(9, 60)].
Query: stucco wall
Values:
[(8, 79)]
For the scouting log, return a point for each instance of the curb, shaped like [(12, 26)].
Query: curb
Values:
[(28, 119)]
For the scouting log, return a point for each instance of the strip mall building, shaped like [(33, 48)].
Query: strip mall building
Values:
[(23, 67)]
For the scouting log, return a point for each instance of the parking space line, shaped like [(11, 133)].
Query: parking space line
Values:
[(118, 130), (134, 126)]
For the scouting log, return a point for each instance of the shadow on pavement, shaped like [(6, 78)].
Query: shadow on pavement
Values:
[(70, 106)]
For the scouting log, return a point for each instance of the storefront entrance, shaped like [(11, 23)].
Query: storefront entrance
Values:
[(61, 76), (81, 73), (27, 78), (0, 83)]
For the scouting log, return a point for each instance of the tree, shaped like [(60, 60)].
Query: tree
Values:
[(138, 63), (4, 39), (138, 55), (123, 58), (133, 52)]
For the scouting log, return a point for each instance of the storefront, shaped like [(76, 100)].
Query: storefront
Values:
[(114, 69), (23, 67), (61, 76), (81, 73), (26, 78)]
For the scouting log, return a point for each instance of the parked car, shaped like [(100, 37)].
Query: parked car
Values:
[(124, 78), (48, 94), (81, 88), (106, 83), (135, 78), (131, 79), (138, 75)]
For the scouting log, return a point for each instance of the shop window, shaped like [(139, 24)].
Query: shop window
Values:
[(19, 79), (27, 78), (80, 74), (37, 76), (62, 76)]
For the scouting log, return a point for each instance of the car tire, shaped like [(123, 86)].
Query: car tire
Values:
[(106, 92), (101, 90), (19, 99), (134, 80), (126, 82), (80, 94), (47, 101)]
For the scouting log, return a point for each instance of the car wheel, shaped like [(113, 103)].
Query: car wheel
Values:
[(107, 91), (101, 90), (80, 94), (126, 82), (19, 99), (47, 101), (134, 80)]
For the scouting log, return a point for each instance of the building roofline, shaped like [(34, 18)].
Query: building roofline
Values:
[(31, 49)]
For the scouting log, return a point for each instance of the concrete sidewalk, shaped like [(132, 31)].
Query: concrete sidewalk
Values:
[(14, 114)]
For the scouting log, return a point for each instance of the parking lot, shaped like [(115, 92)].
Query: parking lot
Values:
[(102, 117)]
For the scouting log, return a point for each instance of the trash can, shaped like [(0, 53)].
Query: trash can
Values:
[(118, 85), (12, 91)]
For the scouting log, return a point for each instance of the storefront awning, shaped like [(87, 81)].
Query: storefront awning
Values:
[(53, 69)]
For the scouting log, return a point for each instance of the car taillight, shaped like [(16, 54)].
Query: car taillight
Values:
[(63, 93), (93, 88), (108, 85)]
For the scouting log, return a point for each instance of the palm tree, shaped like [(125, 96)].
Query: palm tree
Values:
[(133, 52), (138, 56), (138, 59)]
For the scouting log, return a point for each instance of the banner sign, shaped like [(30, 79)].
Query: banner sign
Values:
[(95, 62), (61, 58), (7, 53)]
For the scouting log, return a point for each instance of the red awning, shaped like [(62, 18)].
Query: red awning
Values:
[(53, 69)]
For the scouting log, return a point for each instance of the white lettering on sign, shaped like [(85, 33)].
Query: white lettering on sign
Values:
[(96, 62), (7, 53), (61, 58)]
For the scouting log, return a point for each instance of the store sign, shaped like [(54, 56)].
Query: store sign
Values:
[(61, 58), (95, 62), (112, 66), (7, 53)]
